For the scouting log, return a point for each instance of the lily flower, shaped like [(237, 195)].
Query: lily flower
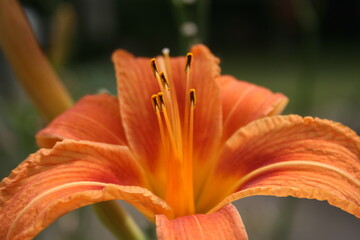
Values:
[(180, 143)]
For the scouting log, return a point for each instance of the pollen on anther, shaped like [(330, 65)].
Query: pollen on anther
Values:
[(188, 61), (192, 97), (160, 100), (164, 80), (154, 102), (154, 66)]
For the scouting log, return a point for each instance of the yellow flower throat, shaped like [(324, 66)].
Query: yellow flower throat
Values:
[(176, 136)]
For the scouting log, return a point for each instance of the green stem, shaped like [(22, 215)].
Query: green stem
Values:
[(118, 221)]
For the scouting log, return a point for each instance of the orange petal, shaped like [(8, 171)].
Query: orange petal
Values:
[(243, 102), (52, 182), (136, 85), (291, 155), (224, 224), (94, 117)]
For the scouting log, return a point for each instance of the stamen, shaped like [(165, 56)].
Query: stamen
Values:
[(154, 66), (164, 80), (189, 156), (161, 103), (157, 111), (189, 57), (157, 74), (192, 97), (167, 97), (154, 102), (170, 101)]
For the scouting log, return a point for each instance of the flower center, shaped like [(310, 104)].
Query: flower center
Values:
[(176, 135)]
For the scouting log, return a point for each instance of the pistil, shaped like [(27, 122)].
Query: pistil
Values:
[(166, 54)]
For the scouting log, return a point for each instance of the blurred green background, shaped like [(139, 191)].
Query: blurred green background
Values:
[(308, 50)]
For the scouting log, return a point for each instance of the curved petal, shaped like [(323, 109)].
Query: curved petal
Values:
[(94, 118), (290, 155), (136, 84), (243, 102), (224, 224), (52, 182)]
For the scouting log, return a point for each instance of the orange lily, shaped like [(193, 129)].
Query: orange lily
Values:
[(181, 166)]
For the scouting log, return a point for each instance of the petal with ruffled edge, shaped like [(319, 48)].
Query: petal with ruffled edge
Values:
[(289, 156), (94, 118), (244, 102), (224, 224), (55, 181)]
